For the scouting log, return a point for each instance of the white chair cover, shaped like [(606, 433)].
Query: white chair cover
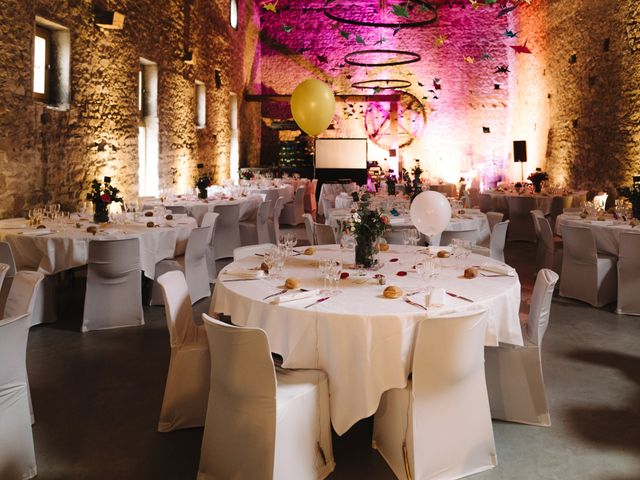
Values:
[(6, 257), (474, 197), (540, 253), (498, 239), (308, 228), (227, 235), (514, 374), (271, 196), (447, 237), (187, 389), (310, 204), (274, 222), (292, 211), (242, 252), (262, 423), (548, 255), (4, 268), (493, 218), (255, 232), (22, 300), (193, 264), (521, 226), (442, 416), (586, 275), (485, 203), (324, 234), (629, 274), (17, 454), (177, 209), (209, 220), (114, 285)]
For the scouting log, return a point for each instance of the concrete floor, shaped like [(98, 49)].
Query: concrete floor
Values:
[(97, 397)]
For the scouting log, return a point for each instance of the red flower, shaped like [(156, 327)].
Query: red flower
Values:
[(105, 197), (384, 219)]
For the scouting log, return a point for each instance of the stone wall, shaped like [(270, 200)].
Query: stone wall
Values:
[(578, 96), (50, 153)]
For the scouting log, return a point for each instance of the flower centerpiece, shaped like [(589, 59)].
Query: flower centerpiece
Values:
[(536, 178), (391, 181), (412, 183), (202, 181), (632, 194), (102, 195), (367, 225)]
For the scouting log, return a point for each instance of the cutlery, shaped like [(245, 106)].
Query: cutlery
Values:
[(284, 290), (454, 295), (258, 255), (239, 279), (410, 302), (496, 275), (320, 300)]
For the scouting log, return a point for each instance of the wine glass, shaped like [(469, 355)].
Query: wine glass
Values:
[(269, 259), (334, 271), (323, 268)]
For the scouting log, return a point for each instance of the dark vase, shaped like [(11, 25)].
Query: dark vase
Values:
[(365, 252), (537, 187), (391, 188), (202, 193), (100, 212)]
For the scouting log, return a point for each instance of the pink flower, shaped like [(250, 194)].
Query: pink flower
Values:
[(105, 197)]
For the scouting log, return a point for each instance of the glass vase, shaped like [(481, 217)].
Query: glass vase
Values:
[(100, 213), (366, 251), (202, 193)]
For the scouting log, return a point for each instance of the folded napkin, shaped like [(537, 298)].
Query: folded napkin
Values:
[(294, 295), (437, 297), (11, 225), (497, 268), (36, 233), (397, 221), (245, 273)]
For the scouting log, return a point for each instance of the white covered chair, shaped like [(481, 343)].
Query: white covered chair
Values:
[(549, 247), (447, 237), (262, 422), (514, 374), (177, 209), (114, 285), (496, 243), (494, 218), (474, 197), (22, 300), (586, 274), (243, 252), (209, 220), (521, 226), (540, 253), (292, 211), (253, 232), (310, 203), (193, 264), (274, 222), (308, 228), (324, 234), (186, 392), (227, 236), (439, 426), (629, 274), (6, 257), (485, 203), (17, 453)]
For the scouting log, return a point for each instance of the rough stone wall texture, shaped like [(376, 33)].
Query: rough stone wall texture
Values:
[(53, 153), (453, 140), (581, 115)]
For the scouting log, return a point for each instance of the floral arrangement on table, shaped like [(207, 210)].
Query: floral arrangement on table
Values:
[(391, 181), (367, 225), (412, 186), (536, 178), (632, 194), (202, 181), (247, 174), (102, 195)]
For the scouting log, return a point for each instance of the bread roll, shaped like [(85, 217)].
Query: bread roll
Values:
[(392, 292)]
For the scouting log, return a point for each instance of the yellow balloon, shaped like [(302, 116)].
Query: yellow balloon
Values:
[(312, 106)]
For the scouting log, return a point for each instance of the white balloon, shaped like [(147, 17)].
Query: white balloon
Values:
[(430, 212)]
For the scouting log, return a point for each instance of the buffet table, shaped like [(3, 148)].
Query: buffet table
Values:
[(360, 338)]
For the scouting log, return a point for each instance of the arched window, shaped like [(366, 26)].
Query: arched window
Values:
[(233, 13)]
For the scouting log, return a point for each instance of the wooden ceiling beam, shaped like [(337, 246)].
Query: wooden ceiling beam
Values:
[(393, 97)]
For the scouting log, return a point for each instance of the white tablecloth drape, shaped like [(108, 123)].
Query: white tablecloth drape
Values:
[(197, 208), (66, 247), (543, 201), (606, 233), (331, 190), (361, 339)]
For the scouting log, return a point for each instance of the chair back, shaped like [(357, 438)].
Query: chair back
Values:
[(327, 204), (521, 222), (197, 246), (498, 239), (14, 331), (227, 235), (545, 232), (493, 218), (537, 214), (209, 220), (557, 204), (6, 256), (22, 295), (4, 268), (177, 305), (540, 310), (485, 203), (262, 218), (324, 234), (579, 246), (628, 274), (242, 389), (310, 204), (243, 252), (629, 252), (474, 197), (114, 258), (308, 227), (274, 233), (177, 209), (229, 215), (298, 199)]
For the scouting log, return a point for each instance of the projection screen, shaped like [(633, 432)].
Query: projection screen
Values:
[(345, 153)]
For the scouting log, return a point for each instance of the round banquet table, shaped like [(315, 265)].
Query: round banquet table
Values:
[(63, 247), (543, 201), (197, 208), (605, 232), (447, 189), (362, 340)]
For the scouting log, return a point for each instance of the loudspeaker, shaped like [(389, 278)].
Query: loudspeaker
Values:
[(520, 151)]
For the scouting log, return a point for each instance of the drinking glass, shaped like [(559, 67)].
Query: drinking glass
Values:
[(323, 267), (269, 259), (334, 271)]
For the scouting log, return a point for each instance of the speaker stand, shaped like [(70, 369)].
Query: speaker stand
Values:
[(521, 172)]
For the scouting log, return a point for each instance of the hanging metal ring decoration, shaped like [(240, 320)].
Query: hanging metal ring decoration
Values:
[(426, 6), (382, 84), (411, 57)]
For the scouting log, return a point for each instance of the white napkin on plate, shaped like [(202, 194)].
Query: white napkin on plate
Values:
[(245, 273), (36, 233), (497, 268), (437, 297), (294, 295)]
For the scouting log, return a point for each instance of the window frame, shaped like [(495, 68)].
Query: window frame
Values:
[(45, 34)]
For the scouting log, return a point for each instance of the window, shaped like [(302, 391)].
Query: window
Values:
[(234, 157), (201, 105), (51, 63), (148, 179), (233, 13)]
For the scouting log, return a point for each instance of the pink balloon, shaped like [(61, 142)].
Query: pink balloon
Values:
[(430, 212)]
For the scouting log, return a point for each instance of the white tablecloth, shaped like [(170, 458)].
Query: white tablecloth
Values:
[(543, 202), (331, 190), (361, 339), (67, 247), (197, 208), (285, 192), (447, 189), (606, 233)]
